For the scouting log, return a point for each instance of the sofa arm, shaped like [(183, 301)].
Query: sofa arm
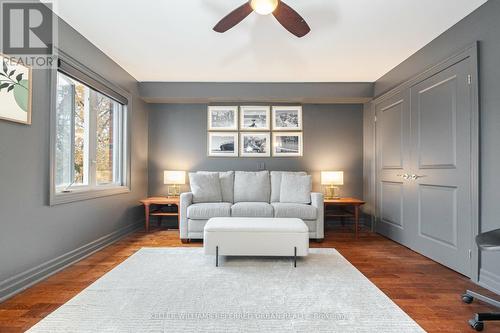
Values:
[(317, 200), (186, 200)]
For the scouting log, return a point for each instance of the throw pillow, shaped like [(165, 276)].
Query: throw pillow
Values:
[(276, 183), (226, 184), (252, 186), (205, 187), (296, 189)]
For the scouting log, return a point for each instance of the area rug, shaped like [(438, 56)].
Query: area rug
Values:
[(181, 290)]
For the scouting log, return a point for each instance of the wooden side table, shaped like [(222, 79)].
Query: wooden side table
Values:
[(159, 201), (345, 202)]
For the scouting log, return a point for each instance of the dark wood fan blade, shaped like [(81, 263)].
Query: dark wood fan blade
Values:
[(291, 20), (233, 18)]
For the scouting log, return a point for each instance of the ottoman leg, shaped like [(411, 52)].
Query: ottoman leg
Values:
[(295, 257), (216, 256)]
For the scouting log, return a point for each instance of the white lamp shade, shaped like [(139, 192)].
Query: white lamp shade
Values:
[(174, 177), (332, 177)]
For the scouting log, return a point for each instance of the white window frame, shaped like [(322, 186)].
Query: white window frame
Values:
[(90, 191)]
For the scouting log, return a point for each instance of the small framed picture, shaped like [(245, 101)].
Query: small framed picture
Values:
[(255, 118), (255, 144), (287, 144), (15, 91), (287, 118), (223, 144), (222, 118)]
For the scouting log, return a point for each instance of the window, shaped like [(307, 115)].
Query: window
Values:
[(89, 150)]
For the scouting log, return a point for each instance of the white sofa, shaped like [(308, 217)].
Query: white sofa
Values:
[(248, 194)]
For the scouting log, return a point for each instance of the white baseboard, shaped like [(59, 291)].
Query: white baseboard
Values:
[(26, 279), (489, 280)]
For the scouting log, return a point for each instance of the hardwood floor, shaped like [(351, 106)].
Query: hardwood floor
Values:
[(428, 292)]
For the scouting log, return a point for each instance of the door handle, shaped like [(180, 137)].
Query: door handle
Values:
[(411, 177)]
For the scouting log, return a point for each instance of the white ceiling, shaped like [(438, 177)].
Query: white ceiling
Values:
[(350, 41)]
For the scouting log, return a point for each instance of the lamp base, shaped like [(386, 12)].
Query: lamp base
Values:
[(173, 191), (332, 193)]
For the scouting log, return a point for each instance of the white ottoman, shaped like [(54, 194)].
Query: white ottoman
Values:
[(237, 236)]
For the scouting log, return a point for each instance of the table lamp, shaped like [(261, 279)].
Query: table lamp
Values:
[(174, 179), (331, 180)]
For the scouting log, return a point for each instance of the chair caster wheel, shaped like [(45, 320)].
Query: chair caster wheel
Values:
[(477, 325), (467, 298)]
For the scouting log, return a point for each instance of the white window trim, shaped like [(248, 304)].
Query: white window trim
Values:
[(79, 193)]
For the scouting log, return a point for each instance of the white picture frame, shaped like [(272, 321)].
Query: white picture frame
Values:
[(255, 118), (287, 118), (251, 144), (222, 118), (288, 148), (219, 144)]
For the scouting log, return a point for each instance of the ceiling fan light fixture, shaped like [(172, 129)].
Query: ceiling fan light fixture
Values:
[(264, 7)]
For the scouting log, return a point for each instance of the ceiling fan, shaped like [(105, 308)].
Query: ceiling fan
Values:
[(285, 15)]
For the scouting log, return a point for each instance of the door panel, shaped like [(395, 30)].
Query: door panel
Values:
[(441, 156), (393, 157), (437, 108), (391, 204), (437, 215), (391, 136)]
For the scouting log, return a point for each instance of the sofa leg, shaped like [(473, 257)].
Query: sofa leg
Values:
[(185, 241), (216, 256), (319, 240), (295, 257)]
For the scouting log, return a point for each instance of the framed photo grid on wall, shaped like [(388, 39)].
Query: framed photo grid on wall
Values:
[(254, 131)]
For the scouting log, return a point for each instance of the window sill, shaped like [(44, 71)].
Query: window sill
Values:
[(63, 198)]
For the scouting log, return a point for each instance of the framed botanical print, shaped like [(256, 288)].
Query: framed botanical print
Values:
[(223, 144), (15, 91), (255, 118), (287, 144), (222, 118), (255, 144), (287, 118)]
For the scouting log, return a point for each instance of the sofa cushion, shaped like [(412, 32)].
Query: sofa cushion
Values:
[(300, 211), (252, 186), (252, 209), (226, 183), (276, 183), (205, 187), (205, 211), (296, 189)]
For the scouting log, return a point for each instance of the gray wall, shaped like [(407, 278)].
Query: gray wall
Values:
[(482, 25), (35, 239), (333, 140)]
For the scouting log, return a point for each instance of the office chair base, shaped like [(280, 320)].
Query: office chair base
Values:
[(477, 322), (477, 325), (469, 296)]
